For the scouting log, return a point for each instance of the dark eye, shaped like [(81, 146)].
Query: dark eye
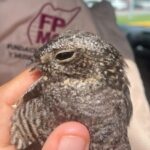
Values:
[(65, 56)]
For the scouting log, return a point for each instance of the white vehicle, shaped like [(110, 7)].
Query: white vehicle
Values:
[(119, 4)]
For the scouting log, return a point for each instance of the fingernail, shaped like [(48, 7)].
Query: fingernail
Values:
[(72, 143)]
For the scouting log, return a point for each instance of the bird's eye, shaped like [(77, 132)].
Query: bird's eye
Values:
[(65, 56)]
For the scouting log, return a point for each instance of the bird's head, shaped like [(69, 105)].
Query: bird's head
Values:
[(75, 54)]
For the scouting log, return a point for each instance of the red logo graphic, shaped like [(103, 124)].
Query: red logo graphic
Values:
[(49, 22)]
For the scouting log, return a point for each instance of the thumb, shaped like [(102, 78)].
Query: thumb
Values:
[(68, 136)]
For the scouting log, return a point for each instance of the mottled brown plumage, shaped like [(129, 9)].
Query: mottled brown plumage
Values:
[(83, 80)]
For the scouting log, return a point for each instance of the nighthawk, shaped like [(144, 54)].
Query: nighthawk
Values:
[(83, 80)]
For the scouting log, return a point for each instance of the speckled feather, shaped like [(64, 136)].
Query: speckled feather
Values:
[(83, 80)]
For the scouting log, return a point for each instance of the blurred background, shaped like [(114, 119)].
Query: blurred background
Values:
[(133, 17), (131, 12)]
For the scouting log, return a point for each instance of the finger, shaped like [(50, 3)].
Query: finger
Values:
[(68, 136), (11, 91), (10, 147), (5, 123)]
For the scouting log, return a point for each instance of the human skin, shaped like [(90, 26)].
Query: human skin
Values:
[(68, 136)]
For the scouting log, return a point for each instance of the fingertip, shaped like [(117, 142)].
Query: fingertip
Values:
[(33, 74), (70, 135), (28, 76)]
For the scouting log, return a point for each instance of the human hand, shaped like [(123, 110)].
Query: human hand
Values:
[(68, 136)]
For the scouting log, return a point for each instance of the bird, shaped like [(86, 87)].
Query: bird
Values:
[(83, 79)]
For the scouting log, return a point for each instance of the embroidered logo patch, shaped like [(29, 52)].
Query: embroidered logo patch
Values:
[(49, 22)]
